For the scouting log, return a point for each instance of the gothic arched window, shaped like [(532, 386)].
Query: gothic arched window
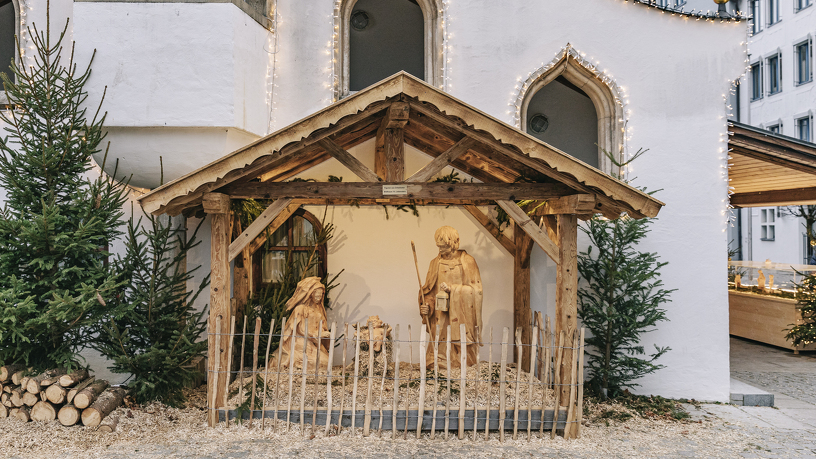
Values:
[(379, 38), (9, 25), (290, 248), (570, 108)]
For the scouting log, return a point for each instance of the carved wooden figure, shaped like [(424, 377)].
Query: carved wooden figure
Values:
[(761, 280), (453, 274), (307, 303), (738, 281)]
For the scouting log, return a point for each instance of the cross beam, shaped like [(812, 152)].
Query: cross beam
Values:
[(397, 190)]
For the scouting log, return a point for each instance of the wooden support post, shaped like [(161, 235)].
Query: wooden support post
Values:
[(218, 206), (566, 293), (389, 156), (522, 314)]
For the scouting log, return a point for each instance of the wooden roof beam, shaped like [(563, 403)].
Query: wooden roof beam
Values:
[(257, 226), (775, 197), (442, 161), (529, 226), (523, 158), (346, 159), (389, 151), (491, 228), (429, 191), (579, 204)]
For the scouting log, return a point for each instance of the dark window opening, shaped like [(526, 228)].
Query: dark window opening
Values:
[(8, 18), (563, 116), (385, 37), (289, 248)]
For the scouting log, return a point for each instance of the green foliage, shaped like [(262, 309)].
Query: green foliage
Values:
[(620, 301), (57, 222), (153, 331), (804, 333)]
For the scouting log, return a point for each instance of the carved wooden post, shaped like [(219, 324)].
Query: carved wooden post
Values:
[(217, 206), (522, 314), (389, 158), (566, 293)]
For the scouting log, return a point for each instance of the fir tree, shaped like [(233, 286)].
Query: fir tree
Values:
[(154, 332), (804, 333), (57, 221), (620, 301)]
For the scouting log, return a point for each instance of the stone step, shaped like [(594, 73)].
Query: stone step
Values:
[(743, 394)]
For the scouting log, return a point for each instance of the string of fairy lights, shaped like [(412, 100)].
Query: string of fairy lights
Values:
[(336, 47), (700, 15), (568, 52)]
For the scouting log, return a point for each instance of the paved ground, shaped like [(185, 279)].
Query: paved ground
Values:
[(789, 428)]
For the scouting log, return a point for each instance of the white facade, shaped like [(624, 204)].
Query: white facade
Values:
[(191, 82)]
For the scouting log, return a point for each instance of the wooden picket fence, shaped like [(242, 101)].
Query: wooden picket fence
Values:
[(546, 397)]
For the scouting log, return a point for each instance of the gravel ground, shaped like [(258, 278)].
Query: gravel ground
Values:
[(158, 431)]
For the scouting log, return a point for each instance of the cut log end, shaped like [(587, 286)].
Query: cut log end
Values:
[(56, 394), (71, 379), (68, 415), (109, 424), (43, 411), (23, 413), (88, 395)]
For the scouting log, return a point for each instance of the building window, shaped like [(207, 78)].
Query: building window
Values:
[(773, 12), (775, 128), (9, 24), (774, 64), (756, 81), (802, 4), (289, 249), (804, 70), (803, 129), (572, 109), (378, 38), (767, 220), (754, 11)]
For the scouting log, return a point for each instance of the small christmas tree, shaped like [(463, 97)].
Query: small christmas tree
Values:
[(57, 222), (620, 302), (804, 333), (154, 332)]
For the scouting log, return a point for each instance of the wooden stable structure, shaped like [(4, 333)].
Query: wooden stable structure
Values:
[(507, 165)]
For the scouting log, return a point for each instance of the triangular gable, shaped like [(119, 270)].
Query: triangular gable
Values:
[(435, 123)]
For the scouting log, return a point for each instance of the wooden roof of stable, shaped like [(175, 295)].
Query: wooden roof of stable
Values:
[(435, 123), (768, 169)]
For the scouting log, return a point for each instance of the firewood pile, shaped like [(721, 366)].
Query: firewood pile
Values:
[(72, 398)]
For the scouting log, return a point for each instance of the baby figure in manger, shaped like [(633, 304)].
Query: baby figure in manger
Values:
[(452, 296), (307, 310)]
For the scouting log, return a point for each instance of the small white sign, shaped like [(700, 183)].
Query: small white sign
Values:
[(395, 190)]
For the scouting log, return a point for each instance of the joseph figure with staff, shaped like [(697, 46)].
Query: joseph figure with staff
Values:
[(452, 295)]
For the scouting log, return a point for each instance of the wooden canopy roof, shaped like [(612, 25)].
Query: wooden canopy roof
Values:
[(768, 169), (510, 164)]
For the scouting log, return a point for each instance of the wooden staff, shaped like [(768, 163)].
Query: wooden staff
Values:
[(255, 344), (266, 375), (419, 279), (329, 377)]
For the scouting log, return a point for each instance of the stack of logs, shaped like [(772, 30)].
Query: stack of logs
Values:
[(56, 394)]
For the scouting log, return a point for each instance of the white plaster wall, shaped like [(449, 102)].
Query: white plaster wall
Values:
[(175, 66)]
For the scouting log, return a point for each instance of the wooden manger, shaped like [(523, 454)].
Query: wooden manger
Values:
[(506, 165), (394, 395)]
